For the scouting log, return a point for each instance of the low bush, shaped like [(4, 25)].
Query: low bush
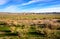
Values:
[(58, 21), (41, 25), (3, 23)]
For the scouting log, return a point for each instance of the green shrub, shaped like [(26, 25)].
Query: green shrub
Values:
[(3, 23), (41, 25)]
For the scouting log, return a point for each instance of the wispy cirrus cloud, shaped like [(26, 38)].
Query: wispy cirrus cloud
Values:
[(3, 2), (34, 1), (47, 6), (54, 8), (10, 9)]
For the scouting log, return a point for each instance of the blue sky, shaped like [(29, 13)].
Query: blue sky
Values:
[(29, 5)]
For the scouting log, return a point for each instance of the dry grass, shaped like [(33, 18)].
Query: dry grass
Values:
[(32, 26)]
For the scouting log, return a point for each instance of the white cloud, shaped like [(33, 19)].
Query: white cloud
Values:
[(34, 1), (55, 8), (28, 3), (3, 2), (10, 9), (14, 8)]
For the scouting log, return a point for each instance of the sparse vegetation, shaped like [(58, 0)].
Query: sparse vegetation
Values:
[(30, 26)]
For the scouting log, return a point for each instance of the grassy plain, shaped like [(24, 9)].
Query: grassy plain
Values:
[(29, 26)]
